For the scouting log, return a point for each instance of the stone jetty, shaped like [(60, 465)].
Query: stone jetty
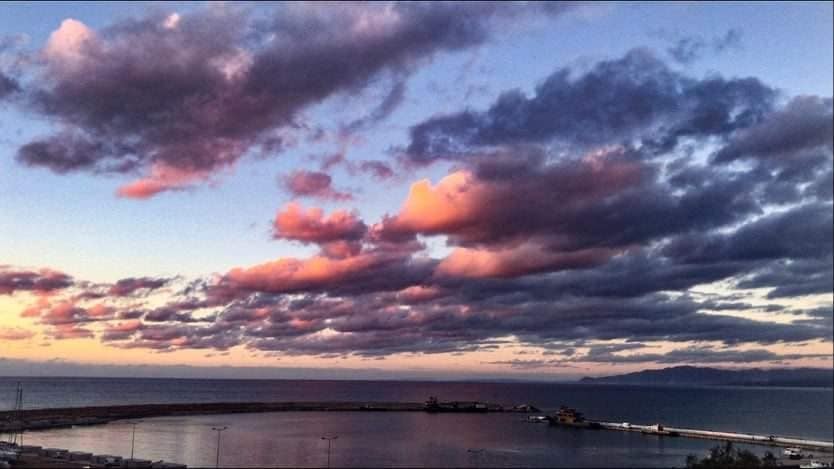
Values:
[(41, 419)]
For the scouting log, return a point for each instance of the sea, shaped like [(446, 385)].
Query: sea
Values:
[(417, 439)]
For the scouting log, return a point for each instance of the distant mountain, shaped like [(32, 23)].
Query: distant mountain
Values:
[(693, 375)]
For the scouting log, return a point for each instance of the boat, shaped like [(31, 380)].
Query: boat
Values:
[(537, 419), (570, 417)]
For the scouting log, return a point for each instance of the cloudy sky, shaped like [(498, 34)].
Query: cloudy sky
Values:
[(434, 190)]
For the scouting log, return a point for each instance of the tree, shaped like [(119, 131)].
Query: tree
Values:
[(727, 456)]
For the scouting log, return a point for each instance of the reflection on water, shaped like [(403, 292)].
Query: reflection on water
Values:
[(386, 439), (418, 439), (779, 411)]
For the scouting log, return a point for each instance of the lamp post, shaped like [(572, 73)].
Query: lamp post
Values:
[(133, 437), (218, 430), (329, 442), (477, 454)]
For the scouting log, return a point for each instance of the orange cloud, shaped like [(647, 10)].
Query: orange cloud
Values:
[(449, 205), (131, 325), (507, 202), (518, 260), (290, 274)]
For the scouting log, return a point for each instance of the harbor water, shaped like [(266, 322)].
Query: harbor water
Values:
[(416, 438)]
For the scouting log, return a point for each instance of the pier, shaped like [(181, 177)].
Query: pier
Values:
[(570, 417), (749, 438)]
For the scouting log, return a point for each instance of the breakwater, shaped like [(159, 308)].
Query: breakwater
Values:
[(41, 419), (749, 438)]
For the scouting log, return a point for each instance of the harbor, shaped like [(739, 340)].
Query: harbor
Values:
[(42, 419), (798, 452)]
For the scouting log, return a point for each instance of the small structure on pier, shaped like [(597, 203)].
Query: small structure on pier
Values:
[(435, 405), (568, 416)]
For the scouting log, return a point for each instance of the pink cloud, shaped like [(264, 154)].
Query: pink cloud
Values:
[(42, 281), (315, 184), (126, 326), (312, 226), (64, 312), (162, 178), (435, 209), (37, 308), (100, 311), (290, 274), (507, 201), (71, 331), (15, 333), (420, 294), (122, 331), (518, 260), (341, 249), (65, 48)]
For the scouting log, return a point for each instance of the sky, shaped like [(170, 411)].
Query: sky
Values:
[(414, 190)]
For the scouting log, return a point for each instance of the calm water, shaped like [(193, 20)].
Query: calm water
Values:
[(418, 439)]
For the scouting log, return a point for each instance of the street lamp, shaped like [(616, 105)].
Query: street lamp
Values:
[(329, 442), (218, 430), (133, 437), (477, 454)]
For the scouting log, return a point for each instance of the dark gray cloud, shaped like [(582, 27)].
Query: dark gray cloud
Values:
[(699, 355), (689, 49), (376, 324), (315, 184), (804, 232), (181, 97), (805, 123), (129, 286), (39, 281), (377, 169), (389, 104), (58, 367), (792, 278), (8, 85), (634, 99), (688, 355)]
